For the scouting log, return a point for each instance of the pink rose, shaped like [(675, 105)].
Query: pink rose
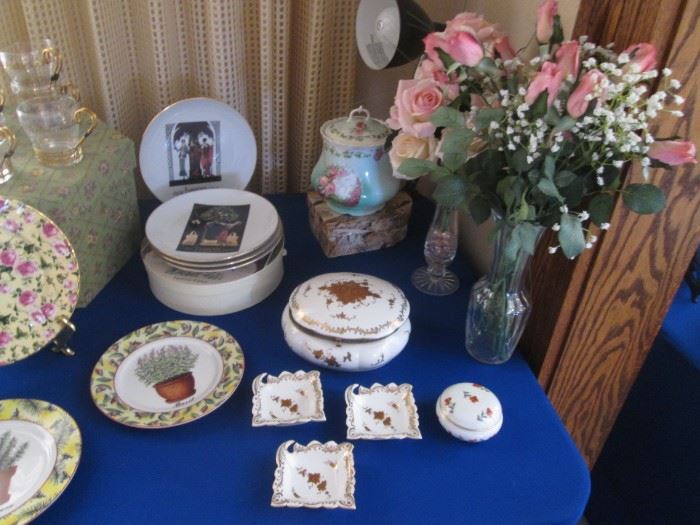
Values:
[(5, 338), (545, 20), (49, 310), (11, 226), (472, 23), (584, 93), (504, 48), (49, 229), (568, 58), (465, 48), (549, 78), (27, 268), (643, 56), (432, 71), (8, 257), (27, 297), (38, 317), (60, 248), (673, 152), (415, 103)]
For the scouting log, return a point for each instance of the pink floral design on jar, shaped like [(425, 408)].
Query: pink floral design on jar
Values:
[(72, 298), (4, 288), (62, 249), (49, 229), (27, 297), (49, 310), (4, 338), (26, 268), (49, 333), (68, 284), (8, 257), (11, 225), (29, 217), (340, 185), (38, 317)]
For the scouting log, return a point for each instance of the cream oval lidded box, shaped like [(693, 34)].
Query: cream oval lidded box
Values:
[(347, 321), (469, 411)]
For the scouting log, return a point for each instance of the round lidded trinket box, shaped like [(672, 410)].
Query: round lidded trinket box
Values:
[(354, 174), (470, 412), (347, 321), (214, 252)]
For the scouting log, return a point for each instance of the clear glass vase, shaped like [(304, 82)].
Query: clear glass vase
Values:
[(498, 304), (440, 249)]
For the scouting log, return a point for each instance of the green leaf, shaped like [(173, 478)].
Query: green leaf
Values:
[(573, 193), (454, 147), (505, 190), (414, 168), (539, 108), (480, 209), (552, 116), (529, 233), (644, 198), (485, 116), (448, 118), (557, 31), (601, 207), (571, 236), (565, 123), (518, 161), (547, 187), (513, 246), (488, 67), (550, 165), (450, 191), (446, 59), (564, 178)]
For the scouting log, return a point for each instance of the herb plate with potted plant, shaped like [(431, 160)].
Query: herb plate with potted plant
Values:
[(167, 374), (40, 448)]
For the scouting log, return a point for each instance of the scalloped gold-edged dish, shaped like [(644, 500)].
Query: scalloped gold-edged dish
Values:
[(287, 399), (381, 412)]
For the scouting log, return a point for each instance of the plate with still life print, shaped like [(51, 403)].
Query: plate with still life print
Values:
[(212, 226), (167, 374), (40, 447), (197, 143)]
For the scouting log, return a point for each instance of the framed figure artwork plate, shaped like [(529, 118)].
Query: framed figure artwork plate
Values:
[(195, 144)]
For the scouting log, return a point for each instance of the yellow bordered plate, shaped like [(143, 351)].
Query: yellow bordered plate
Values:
[(167, 374), (48, 463), (39, 280)]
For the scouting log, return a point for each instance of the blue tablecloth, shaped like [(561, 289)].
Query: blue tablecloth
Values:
[(220, 470)]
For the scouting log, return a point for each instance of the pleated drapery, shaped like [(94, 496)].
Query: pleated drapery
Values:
[(286, 65)]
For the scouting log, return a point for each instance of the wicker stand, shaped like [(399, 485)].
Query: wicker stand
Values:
[(345, 235)]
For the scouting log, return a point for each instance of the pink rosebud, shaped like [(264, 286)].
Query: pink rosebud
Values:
[(49, 229), (504, 48), (5, 338), (60, 248), (27, 268), (568, 58), (8, 257), (465, 48), (673, 152), (11, 226), (643, 56), (38, 317), (49, 310), (549, 78), (584, 93), (545, 20), (415, 103), (27, 297)]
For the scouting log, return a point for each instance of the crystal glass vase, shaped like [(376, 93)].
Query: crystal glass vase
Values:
[(498, 304), (439, 250)]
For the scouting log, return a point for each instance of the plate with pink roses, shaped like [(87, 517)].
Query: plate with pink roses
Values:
[(39, 280)]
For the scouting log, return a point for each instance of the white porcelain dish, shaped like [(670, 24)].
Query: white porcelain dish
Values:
[(381, 412), (470, 412), (197, 143), (347, 321), (318, 475), (287, 399)]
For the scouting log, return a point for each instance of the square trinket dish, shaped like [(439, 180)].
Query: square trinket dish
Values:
[(381, 412), (288, 399), (316, 475)]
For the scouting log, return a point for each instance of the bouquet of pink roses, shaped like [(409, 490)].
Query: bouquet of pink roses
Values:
[(540, 142)]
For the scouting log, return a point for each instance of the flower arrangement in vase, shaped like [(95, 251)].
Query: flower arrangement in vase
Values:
[(534, 144), (10, 454), (169, 371)]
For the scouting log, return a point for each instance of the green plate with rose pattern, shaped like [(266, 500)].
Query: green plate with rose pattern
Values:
[(167, 374), (39, 280)]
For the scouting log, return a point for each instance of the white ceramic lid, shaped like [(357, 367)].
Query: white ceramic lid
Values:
[(358, 129), (211, 225), (349, 306), (197, 143), (470, 406)]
